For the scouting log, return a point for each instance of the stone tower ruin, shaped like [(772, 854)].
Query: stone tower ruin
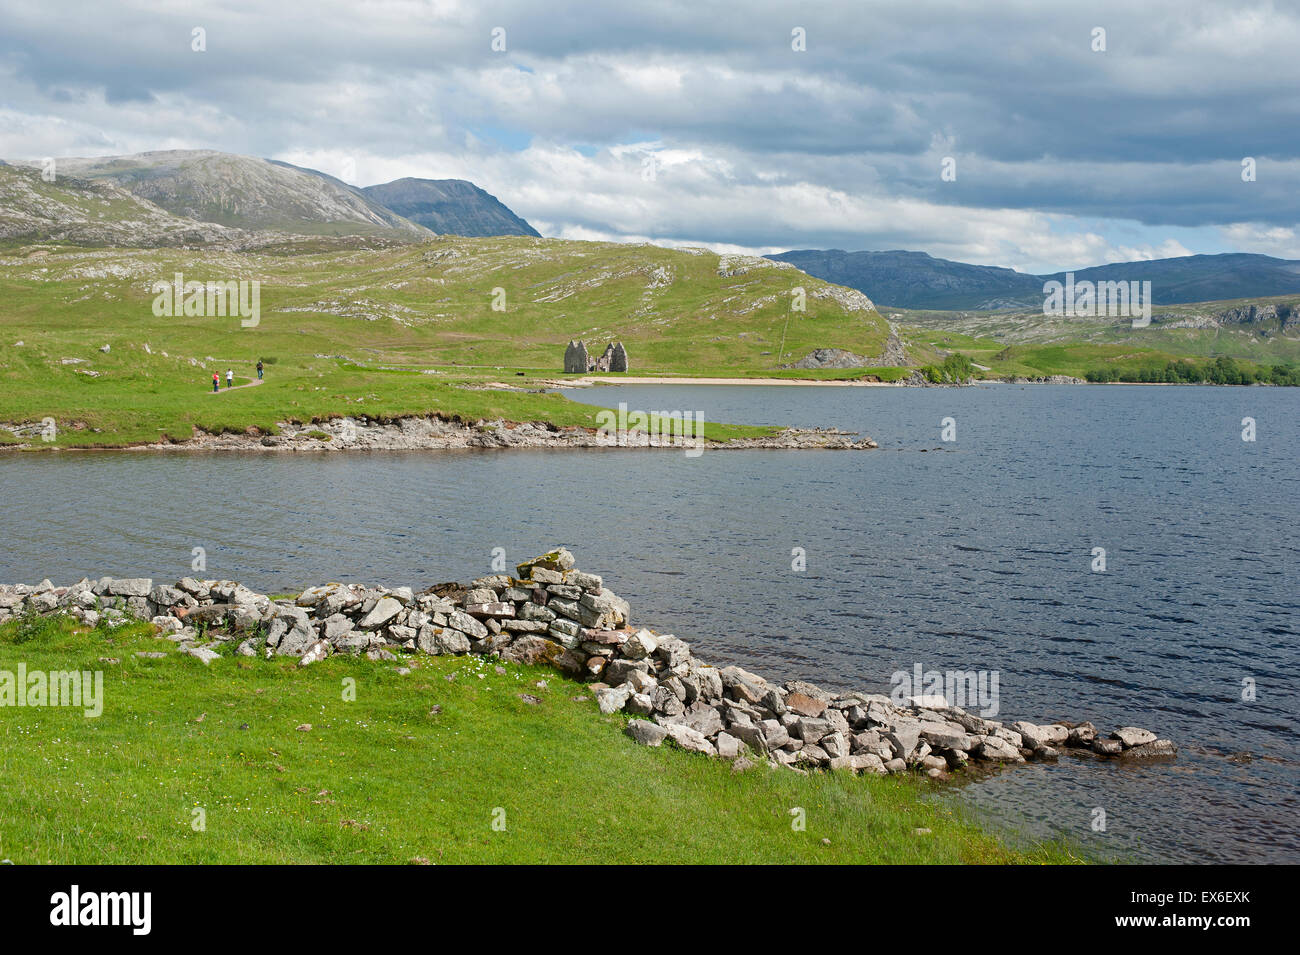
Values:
[(577, 360)]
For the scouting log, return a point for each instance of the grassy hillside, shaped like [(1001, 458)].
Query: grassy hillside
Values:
[(415, 769), (386, 331), (1028, 343)]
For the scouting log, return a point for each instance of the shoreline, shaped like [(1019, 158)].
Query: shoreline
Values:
[(589, 382), (548, 612), (435, 433)]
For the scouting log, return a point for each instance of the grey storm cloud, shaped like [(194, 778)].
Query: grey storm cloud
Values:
[(1151, 130)]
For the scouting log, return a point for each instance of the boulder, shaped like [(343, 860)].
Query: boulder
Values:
[(867, 762), (315, 653), (530, 649), (385, 609), (729, 747), (945, 736), (1159, 748), (702, 718), (689, 739), (804, 705), (1131, 736), (494, 609), (297, 640), (996, 749), (640, 645), (459, 620), (614, 698), (646, 733)]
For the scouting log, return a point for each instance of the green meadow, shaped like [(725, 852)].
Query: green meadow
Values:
[(389, 331), (456, 761)]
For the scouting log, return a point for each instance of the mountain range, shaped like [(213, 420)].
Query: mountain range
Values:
[(204, 196), (916, 280)]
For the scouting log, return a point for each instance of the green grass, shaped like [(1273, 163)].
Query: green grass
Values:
[(386, 779), (387, 332), (1040, 344), (1030, 359)]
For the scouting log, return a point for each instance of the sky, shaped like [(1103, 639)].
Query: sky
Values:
[(747, 126)]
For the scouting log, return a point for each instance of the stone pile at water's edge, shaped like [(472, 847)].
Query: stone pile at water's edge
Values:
[(549, 612)]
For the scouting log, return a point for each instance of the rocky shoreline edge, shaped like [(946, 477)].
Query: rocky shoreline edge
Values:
[(435, 433), (549, 612)]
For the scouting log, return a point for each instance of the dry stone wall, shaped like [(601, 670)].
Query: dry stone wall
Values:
[(549, 612)]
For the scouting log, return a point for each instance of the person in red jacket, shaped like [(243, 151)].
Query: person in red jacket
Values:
[(216, 382)]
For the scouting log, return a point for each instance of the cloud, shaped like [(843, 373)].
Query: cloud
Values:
[(1060, 151)]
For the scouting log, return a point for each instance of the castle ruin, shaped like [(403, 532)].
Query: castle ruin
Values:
[(578, 362)]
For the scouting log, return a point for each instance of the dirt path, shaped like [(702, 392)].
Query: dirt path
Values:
[(253, 382)]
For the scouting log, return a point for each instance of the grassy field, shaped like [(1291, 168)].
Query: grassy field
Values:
[(1029, 359), (417, 768), (1027, 343), (388, 331)]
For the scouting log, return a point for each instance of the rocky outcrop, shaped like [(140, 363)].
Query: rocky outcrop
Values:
[(830, 358), (549, 612)]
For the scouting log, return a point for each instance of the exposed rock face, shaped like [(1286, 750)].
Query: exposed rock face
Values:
[(585, 630), (243, 192), (830, 358), (894, 355)]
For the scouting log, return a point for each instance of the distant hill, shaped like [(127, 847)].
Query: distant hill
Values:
[(916, 280), (243, 192), (222, 197), (449, 207), (96, 213)]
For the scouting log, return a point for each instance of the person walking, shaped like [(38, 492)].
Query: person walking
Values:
[(230, 378), (259, 369), (216, 383)]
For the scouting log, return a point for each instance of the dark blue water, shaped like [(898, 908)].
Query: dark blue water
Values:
[(975, 556)]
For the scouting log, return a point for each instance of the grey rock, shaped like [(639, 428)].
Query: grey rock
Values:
[(702, 718), (689, 739), (1159, 748), (459, 620), (1131, 736), (128, 586), (646, 733), (729, 747), (315, 653), (612, 699), (385, 609)]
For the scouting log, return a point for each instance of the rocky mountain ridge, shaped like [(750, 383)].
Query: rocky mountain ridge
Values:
[(916, 280)]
